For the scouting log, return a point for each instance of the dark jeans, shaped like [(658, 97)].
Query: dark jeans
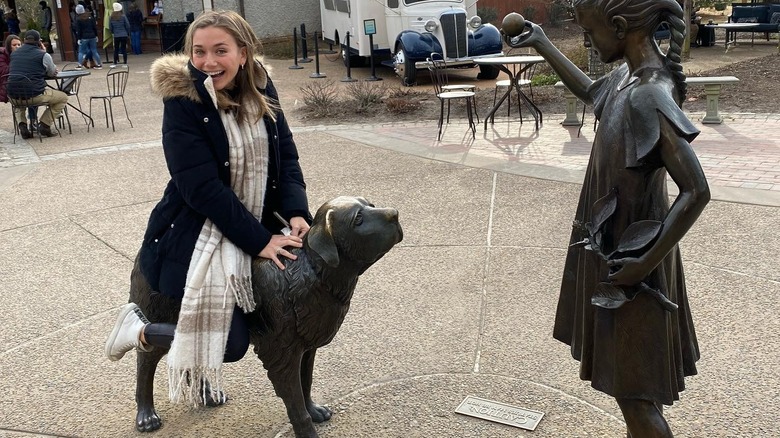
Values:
[(120, 46), (135, 41), (238, 338)]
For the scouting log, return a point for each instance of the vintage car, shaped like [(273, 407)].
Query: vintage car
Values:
[(406, 32)]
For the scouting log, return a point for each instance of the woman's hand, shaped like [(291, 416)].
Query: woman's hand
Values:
[(299, 226), (632, 271), (275, 248)]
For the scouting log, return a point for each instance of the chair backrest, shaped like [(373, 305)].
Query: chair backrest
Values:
[(19, 100), (116, 79), (526, 76), (437, 67), (72, 85)]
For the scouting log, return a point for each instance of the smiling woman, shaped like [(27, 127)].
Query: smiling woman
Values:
[(233, 163)]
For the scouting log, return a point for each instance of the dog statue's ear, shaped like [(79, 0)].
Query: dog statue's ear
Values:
[(321, 242)]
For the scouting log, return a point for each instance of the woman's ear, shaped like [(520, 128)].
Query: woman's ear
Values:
[(621, 26)]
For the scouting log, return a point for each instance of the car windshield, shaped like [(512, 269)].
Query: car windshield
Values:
[(410, 2)]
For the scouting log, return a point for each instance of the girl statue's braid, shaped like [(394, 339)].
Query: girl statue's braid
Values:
[(673, 55)]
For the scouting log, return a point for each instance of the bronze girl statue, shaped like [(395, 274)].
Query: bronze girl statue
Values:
[(623, 307)]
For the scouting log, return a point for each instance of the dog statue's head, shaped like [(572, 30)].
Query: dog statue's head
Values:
[(352, 232)]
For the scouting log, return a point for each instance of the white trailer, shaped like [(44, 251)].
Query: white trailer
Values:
[(408, 31)]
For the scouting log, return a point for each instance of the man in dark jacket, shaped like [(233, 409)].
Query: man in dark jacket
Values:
[(46, 24), (30, 66)]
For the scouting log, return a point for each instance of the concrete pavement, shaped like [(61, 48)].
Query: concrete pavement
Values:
[(464, 306)]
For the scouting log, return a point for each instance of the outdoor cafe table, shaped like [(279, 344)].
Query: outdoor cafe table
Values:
[(503, 62), (64, 81), (731, 31)]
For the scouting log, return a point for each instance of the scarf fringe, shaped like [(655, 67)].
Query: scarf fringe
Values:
[(194, 385), (242, 290)]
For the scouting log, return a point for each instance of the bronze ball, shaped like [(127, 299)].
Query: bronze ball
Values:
[(513, 24)]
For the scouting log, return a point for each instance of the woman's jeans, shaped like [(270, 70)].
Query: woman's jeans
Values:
[(135, 41), (120, 47), (89, 46)]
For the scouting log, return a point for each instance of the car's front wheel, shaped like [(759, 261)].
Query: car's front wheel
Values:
[(404, 67)]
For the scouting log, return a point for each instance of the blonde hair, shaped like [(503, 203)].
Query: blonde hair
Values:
[(247, 76)]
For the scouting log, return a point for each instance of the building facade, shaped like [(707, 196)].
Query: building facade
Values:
[(269, 18)]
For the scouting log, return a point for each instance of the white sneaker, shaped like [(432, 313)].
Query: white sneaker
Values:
[(125, 335)]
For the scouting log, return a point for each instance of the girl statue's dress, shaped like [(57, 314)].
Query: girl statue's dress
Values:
[(638, 350)]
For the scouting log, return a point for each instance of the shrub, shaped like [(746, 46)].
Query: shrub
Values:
[(365, 94), (404, 100), (488, 14), (558, 11), (320, 98), (402, 105), (529, 13), (544, 79)]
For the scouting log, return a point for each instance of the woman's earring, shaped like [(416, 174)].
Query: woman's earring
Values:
[(242, 66)]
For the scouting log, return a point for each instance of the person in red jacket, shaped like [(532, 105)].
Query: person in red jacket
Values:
[(12, 42)]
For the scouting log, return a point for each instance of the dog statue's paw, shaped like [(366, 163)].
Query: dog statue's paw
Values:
[(318, 413), (147, 420), (221, 399)]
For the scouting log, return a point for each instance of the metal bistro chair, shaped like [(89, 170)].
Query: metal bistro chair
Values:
[(116, 80), (523, 80), (24, 102), (71, 87), (439, 78), (437, 57)]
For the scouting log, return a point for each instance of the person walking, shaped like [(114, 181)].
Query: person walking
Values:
[(136, 19), (86, 32), (120, 29), (29, 68), (233, 162)]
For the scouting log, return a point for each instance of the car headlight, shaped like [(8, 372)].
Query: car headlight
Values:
[(475, 22), (431, 26)]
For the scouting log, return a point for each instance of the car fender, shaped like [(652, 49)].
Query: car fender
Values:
[(485, 41), (418, 46)]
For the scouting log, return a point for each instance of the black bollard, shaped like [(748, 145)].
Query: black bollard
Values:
[(373, 69), (304, 48), (330, 50), (295, 66), (316, 73), (348, 78)]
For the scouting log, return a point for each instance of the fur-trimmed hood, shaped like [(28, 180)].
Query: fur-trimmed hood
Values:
[(174, 76)]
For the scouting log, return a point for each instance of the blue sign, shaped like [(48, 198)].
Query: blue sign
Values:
[(369, 27)]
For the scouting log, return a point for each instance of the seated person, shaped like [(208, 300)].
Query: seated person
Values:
[(29, 68)]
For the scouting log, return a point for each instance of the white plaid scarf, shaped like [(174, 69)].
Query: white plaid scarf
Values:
[(219, 275)]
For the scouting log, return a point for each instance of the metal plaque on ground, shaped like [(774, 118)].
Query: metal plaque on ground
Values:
[(500, 412)]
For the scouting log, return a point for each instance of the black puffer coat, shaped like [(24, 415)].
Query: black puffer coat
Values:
[(196, 152)]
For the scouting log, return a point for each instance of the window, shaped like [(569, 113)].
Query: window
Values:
[(342, 5), (329, 5)]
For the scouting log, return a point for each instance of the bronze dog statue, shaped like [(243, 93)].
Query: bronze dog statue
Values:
[(300, 308)]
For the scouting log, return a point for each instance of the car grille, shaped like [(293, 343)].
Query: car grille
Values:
[(453, 25)]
